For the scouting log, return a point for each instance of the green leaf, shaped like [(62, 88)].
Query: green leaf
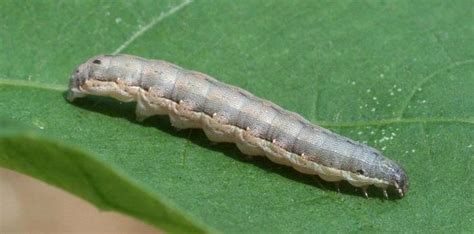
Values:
[(397, 75)]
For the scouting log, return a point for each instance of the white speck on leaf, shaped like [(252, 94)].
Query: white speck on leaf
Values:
[(384, 139), (118, 20), (38, 123)]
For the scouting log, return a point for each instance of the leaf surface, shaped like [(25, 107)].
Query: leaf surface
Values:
[(398, 76)]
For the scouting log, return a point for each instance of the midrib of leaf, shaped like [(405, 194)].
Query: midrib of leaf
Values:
[(31, 84), (378, 122)]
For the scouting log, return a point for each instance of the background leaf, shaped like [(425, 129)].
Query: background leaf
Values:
[(396, 75)]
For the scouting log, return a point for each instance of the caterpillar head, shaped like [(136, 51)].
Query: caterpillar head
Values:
[(105, 75)]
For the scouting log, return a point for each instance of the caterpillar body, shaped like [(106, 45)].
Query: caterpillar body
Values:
[(230, 114)]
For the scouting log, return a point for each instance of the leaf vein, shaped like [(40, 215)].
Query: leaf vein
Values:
[(427, 79), (379, 122), (31, 84), (151, 24)]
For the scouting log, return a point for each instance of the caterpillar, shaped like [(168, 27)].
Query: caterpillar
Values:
[(230, 114)]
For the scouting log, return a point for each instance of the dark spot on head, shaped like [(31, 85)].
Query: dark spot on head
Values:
[(77, 71), (97, 61), (360, 171)]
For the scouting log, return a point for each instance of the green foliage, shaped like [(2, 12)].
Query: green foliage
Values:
[(397, 75)]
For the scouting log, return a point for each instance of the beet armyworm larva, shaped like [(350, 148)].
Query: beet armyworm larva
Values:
[(230, 114)]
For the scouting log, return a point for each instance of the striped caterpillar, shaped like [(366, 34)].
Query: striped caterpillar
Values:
[(230, 114)]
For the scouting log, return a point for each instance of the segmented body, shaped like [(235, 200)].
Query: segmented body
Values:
[(230, 114)]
